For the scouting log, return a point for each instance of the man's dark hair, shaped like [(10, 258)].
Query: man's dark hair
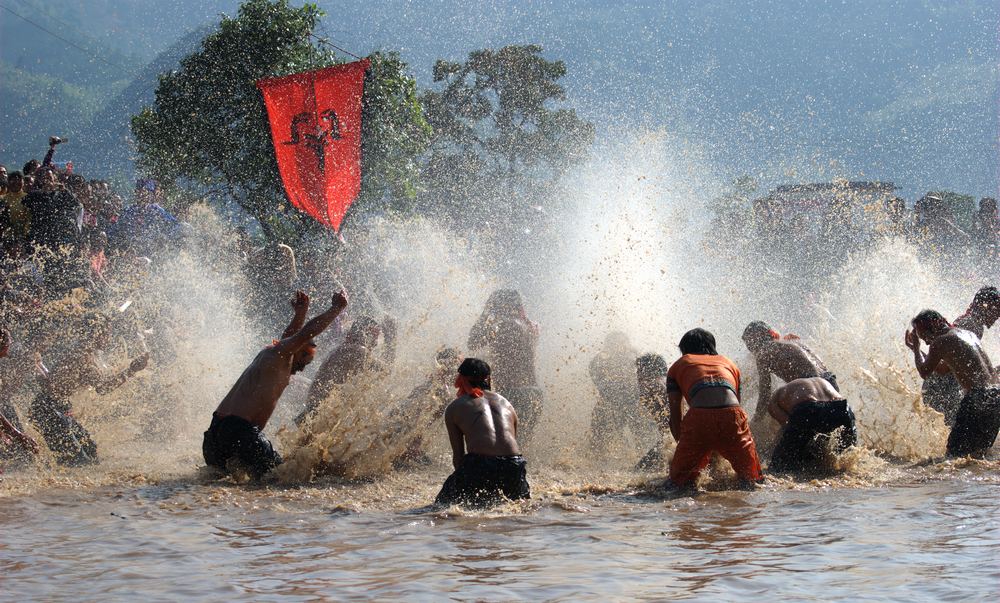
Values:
[(987, 297), (476, 370), (930, 319), (650, 366), (31, 166), (505, 301), (698, 341), (446, 354), (758, 329), (360, 327)]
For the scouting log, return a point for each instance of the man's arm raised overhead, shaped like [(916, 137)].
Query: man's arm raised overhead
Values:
[(300, 304), (294, 343)]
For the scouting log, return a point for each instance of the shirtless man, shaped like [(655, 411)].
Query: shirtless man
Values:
[(425, 405), (789, 360), (14, 443), (978, 417), (941, 390), (618, 407), (237, 423), (482, 427), (510, 339), (51, 413), (651, 377), (809, 409), (355, 355), (982, 313)]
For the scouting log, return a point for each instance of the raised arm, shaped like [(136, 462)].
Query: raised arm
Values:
[(52, 150), (925, 363), (109, 385), (294, 343), (300, 305)]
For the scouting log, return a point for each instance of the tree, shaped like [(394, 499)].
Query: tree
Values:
[(496, 135), (208, 127)]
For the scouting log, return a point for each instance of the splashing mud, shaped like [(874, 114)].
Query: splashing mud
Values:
[(639, 256)]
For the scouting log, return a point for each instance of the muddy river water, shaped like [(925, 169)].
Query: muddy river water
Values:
[(901, 532)]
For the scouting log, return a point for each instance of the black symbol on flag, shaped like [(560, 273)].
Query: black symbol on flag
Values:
[(306, 131)]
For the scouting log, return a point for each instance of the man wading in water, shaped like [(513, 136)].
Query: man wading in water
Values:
[(941, 390), (714, 422), (51, 411), (978, 418), (482, 427), (235, 432), (353, 357), (511, 339), (789, 360), (810, 410)]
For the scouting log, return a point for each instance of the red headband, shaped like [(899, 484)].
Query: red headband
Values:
[(466, 388)]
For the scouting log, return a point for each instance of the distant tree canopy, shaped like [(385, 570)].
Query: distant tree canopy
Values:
[(497, 136), (208, 127), (493, 132)]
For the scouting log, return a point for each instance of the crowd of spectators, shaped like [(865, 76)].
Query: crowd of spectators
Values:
[(71, 229), (68, 247), (820, 225)]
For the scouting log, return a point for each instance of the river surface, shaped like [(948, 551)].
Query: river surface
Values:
[(900, 532)]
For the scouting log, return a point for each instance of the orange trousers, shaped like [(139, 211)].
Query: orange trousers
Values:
[(708, 430)]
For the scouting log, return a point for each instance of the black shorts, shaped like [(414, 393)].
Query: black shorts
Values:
[(63, 434), (800, 447), (976, 423), (481, 481), (235, 438), (943, 394), (831, 379)]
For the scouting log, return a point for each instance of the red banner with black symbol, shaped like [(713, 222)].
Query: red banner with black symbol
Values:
[(316, 128)]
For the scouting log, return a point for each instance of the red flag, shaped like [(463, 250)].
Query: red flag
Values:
[(316, 128)]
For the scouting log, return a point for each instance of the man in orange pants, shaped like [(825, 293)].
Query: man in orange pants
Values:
[(715, 421)]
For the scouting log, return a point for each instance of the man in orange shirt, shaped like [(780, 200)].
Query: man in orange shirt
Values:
[(715, 422)]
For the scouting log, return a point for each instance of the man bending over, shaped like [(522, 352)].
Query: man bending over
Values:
[(787, 358), (482, 427), (810, 410), (235, 432), (978, 418)]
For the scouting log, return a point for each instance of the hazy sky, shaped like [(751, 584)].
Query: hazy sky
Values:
[(787, 91)]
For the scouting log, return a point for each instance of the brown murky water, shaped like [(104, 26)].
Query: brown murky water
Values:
[(906, 532)]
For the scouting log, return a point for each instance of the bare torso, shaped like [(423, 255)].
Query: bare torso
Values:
[(346, 360), (714, 397), (790, 361), (255, 394), (965, 357), (511, 343), (488, 424), (70, 373), (811, 389)]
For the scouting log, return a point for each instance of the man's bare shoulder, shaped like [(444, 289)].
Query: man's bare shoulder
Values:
[(268, 355), (495, 399), (952, 339)]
